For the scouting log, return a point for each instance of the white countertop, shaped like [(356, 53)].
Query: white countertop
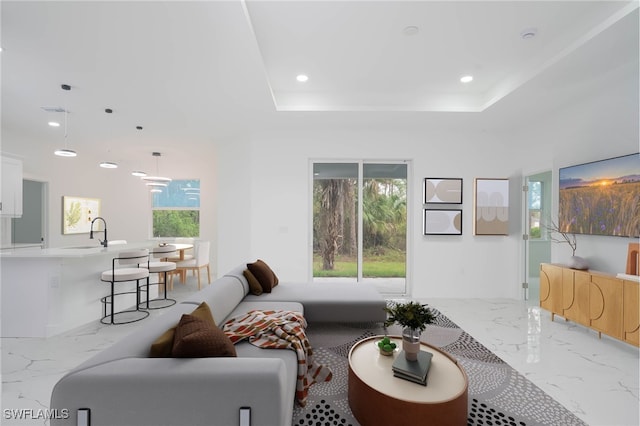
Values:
[(91, 249)]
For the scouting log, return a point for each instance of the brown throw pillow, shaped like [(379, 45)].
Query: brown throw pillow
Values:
[(197, 338), (163, 345), (265, 276), (254, 285)]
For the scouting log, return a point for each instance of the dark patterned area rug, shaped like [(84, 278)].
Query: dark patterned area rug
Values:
[(498, 395)]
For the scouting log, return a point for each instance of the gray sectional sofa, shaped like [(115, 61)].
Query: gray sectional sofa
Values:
[(122, 385)]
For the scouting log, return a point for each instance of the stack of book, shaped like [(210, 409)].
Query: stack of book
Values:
[(414, 371)]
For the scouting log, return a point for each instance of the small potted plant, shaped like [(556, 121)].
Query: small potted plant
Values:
[(386, 346), (414, 318)]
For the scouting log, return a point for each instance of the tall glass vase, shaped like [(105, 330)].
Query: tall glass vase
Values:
[(411, 343)]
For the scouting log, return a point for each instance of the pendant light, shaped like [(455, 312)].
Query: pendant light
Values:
[(108, 164), (65, 152), (156, 181), (138, 173)]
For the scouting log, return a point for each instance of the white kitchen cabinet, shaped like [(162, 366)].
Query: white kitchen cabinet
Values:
[(11, 195)]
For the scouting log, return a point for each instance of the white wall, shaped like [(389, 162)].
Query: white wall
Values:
[(599, 124), (265, 207), (277, 198)]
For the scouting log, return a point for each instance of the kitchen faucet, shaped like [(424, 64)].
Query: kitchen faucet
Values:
[(105, 242)]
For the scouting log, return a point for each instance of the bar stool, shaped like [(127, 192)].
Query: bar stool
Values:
[(161, 267), (118, 274)]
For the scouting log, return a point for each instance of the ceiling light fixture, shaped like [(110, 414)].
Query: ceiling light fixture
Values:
[(466, 79), (138, 173), (53, 124), (528, 33), (156, 180), (108, 164), (302, 78), (156, 190), (65, 152), (155, 183), (411, 30)]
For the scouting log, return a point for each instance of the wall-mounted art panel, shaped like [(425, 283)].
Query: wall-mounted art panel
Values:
[(442, 191), (491, 207), (77, 214), (598, 198), (442, 222)]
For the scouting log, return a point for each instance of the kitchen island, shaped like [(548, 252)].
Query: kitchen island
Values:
[(45, 292)]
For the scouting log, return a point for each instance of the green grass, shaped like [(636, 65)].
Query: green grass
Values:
[(372, 268)]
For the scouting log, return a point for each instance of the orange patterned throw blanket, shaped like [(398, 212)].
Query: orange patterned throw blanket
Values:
[(280, 330)]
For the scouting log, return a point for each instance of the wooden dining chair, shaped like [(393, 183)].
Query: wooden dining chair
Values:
[(200, 261)]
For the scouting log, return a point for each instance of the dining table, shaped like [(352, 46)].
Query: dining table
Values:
[(181, 248)]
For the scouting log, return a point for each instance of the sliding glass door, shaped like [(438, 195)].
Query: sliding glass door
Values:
[(360, 223)]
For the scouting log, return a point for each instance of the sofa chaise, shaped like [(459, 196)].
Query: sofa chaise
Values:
[(123, 385)]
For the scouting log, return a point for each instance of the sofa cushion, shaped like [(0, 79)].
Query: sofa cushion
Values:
[(264, 274), (254, 284), (197, 338), (163, 345), (330, 302)]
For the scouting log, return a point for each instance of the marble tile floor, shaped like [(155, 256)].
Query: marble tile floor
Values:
[(597, 379)]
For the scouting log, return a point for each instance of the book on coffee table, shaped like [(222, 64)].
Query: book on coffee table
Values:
[(414, 371)]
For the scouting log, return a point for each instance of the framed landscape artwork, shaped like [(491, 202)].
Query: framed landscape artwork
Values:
[(442, 222), (442, 191), (77, 214), (491, 207), (601, 198)]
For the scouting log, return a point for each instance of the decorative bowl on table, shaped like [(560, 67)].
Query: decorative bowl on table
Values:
[(386, 346)]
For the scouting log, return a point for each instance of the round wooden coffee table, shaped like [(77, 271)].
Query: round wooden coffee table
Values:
[(376, 397)]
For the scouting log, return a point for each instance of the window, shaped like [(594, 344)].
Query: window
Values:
[(360, 223), (176, 210), (535, 207)]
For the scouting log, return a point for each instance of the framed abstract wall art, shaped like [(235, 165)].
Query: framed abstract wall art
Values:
[(77, 214), (442, 191), (491, 207), (442, 222)]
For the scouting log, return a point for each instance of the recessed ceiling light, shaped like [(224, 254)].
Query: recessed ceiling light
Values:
[(138, 173), (528, 33), (108, 165), (155, 190), (466, 79), (53, 124), (302, 78), (411, 30)]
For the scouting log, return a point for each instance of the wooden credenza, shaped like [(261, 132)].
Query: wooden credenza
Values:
[(597, 300)]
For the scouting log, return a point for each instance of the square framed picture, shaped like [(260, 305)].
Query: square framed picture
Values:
[(77, 214), (442, 222), (491, 207), (442, 191)]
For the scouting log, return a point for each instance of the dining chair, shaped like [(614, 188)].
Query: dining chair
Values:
[(200, 261)]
